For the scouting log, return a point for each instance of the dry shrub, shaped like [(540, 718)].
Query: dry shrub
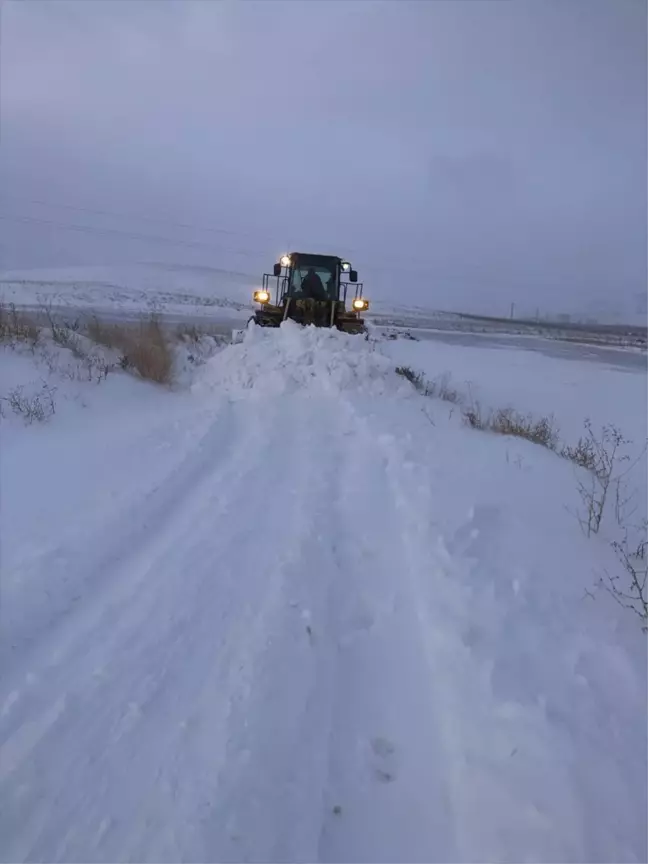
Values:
[(35, 407), (17, 327), (103, 334), (143, 347), (583, 454), (445, 391), (604, 456), (541, 431), (630, 588), (415, 378), (64, 333), (439, 388), (474, 417), (150, 353)]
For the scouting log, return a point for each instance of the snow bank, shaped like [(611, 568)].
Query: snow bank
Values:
[(274, 361), (541, 679)]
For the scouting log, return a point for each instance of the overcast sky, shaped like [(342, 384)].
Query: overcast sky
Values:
[(468, 153)]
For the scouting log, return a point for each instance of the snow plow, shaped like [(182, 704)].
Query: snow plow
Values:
[(311, 289)]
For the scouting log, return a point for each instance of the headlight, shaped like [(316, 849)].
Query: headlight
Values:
[(285, 260), (261, 296), (360, 303), (346, 266)]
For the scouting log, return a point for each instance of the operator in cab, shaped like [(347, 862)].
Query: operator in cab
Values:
[(312, 287)]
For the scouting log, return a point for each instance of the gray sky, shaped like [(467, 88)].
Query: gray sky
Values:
[(466, 154)]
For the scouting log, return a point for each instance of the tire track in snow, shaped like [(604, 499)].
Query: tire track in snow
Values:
[(281, 712), (138, 654), (270, 793), (386, 795), (86, 567)]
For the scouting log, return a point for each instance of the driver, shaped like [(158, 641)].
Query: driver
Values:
[(312, 286)]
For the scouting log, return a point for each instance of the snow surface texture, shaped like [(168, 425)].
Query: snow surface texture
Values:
[(288, 616)]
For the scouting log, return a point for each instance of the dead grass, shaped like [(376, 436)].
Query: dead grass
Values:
[(18, 327), (143, 347), (101, 333), (415, 378), (504, 421), (540, 431), (583, 453), (438, 388)]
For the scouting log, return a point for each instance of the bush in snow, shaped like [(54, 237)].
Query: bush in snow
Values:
[(36, 407), (629, 589), (541, 431), (600, 456), (64, 333), (415, 378), (439, 388)]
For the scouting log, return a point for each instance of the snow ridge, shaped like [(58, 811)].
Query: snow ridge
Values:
[(291, 358)]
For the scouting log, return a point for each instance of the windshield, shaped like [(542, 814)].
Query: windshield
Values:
[(317, 281)]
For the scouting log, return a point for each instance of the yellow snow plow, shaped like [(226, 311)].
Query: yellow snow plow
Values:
[(311, 289)]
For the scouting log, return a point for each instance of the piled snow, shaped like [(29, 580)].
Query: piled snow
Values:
[(274, 361), (301, 613), (191, 352)]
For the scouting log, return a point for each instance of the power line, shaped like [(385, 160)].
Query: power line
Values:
[(155, 220), (191, 244), (91, 229), (116, 215), (131, 235), (185, 225)]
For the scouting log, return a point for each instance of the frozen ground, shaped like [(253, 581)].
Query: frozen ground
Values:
[(286, 614)]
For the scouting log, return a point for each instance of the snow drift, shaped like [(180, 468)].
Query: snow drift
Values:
[(294, 358)]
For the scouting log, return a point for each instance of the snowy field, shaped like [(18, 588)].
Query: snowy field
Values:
[(570, 382), (172, 290), (184, 293), (292, 610), (184, 290), (178, 293)]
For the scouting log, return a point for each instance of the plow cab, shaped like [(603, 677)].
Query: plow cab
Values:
[(312, 289)]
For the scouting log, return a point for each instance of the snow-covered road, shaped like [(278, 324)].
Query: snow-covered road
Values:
[(303, 632)]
